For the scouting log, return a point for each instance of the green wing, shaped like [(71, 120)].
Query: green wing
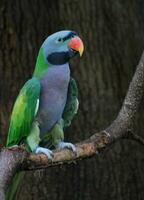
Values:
[(71, 104), (24, 112)]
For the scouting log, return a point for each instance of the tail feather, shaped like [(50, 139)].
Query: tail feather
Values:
[(14, 186)]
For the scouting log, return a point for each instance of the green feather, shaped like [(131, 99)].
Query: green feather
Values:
[(21, 123), (71, 104), (15, 186), (23, 112), (41, 64)]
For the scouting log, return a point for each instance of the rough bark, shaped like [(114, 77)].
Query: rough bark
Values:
[(113, 35), (126, 116), (10, 162)]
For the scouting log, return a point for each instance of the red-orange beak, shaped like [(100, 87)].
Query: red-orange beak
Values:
[(77, 45)]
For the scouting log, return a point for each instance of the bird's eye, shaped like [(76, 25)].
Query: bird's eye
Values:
[(72, 36), (59, 40)]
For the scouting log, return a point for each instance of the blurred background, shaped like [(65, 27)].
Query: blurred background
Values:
[(113, 35)]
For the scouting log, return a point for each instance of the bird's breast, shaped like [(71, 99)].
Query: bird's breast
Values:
[(54, 87)]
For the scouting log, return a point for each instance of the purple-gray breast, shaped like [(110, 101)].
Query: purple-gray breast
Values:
[(54, 88)]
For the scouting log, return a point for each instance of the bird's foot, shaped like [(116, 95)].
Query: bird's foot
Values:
[(45, 151), (62, 145)]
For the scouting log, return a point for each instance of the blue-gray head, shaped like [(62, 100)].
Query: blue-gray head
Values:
[(57, 49)]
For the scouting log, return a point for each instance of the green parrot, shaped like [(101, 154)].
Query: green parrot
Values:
[(47, 102)]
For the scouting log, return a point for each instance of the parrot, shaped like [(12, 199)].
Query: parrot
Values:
[(47, 102)]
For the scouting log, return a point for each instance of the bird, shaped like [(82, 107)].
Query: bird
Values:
[(47, 102)]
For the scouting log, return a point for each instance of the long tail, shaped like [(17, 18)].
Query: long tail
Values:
[(14, 186)]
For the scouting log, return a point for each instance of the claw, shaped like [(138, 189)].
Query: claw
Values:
[(45, 151), (62, 145)]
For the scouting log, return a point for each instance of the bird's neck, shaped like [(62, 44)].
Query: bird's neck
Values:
[(41, 65)]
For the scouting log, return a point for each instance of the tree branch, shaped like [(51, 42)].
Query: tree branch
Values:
[(15, 159), (124, 121)]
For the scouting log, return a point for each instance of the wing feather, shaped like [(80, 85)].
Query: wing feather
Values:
[(71, 106), (24, 111)]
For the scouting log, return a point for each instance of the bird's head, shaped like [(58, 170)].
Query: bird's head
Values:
[(58, 48)]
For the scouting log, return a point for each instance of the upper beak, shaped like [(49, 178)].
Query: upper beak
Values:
[(76, 44)]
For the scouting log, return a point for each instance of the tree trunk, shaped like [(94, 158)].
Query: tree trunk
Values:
[(113, 35)]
